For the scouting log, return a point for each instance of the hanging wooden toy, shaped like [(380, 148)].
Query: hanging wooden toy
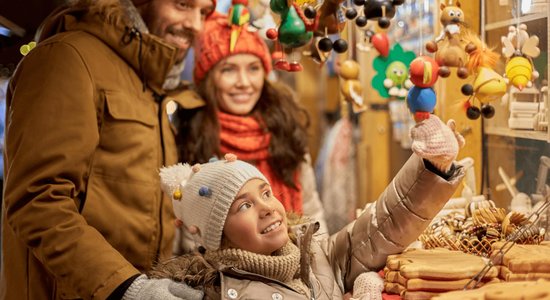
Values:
[(397, 79), (391, 79), (331, 21), (423, 73), (421, 99), (449, 47), (380, 10), (381, 43), (487, 86), (351, 87), (294, 31), (378, 40), (519, 48)]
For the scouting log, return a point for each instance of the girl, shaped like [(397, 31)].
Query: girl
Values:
[(248, 115), (250, 250)]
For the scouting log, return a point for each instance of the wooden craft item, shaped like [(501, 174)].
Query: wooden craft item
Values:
[(522, 290), (437, 264)]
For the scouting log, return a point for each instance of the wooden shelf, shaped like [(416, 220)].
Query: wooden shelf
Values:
[(522, 19), (517, 133)]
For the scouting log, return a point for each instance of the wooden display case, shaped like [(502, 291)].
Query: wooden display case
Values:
[(517, 151)]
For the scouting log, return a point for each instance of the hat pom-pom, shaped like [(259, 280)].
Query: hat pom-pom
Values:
[(230, 157), (204, 191), (173, 178)]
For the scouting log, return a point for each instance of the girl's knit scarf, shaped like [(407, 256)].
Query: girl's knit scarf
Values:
[(283, 265), (246, 138)]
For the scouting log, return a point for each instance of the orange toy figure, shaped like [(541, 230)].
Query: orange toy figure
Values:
[(449, 46), (350, 86), (328, 18), (520, 49), (488, 85)]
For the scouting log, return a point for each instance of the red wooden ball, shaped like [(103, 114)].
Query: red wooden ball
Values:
[(272, 34), (423, 71)]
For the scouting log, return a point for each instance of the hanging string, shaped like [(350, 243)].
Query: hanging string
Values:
[(350, 32), (421, 28), (518, 15)]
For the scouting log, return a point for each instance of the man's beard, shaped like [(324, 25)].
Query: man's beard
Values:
[(150, 17), (188, 35)]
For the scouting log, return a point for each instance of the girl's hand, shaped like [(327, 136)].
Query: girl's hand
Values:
[(436, 142)]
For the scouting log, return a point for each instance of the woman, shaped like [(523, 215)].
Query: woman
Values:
[(248, 115)]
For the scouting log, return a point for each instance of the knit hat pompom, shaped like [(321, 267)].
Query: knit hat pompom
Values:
[(203, 195), (214, 45)]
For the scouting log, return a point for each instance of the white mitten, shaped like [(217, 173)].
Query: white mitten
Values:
[(144, 288), (436, 142), (368, 286)]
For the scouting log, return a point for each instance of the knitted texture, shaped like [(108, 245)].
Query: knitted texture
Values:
[(219, 182), (436, 142), (283, 265), (213, 46), (246, 137), (143, 288), (368, 286)]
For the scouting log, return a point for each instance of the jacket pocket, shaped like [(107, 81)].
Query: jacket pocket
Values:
[(122, 107), (129, 142)]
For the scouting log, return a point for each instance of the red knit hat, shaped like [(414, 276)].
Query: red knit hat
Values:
[(213, 46)]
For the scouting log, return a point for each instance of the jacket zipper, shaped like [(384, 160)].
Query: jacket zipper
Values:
[(311, 290), (158, 100), (299, 235)]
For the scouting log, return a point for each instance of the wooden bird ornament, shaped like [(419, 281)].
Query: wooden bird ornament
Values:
[(519, 48)]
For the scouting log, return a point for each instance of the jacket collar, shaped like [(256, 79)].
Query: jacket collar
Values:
[(116, 26), (241, 274)]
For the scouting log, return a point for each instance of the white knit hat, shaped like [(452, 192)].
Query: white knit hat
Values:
[(203, 194)]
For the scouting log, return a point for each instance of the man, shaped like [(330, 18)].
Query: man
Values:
[(87, 131)]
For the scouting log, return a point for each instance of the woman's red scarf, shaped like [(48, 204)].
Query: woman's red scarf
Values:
[(244, 137)]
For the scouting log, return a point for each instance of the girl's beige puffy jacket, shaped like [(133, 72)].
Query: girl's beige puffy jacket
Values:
[(386, 227)]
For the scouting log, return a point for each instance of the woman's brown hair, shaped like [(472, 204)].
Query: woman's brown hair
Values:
[(198, 129)]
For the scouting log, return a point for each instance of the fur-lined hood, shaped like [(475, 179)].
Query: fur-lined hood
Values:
[(118, 24), (107, 10), (196, 271)]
